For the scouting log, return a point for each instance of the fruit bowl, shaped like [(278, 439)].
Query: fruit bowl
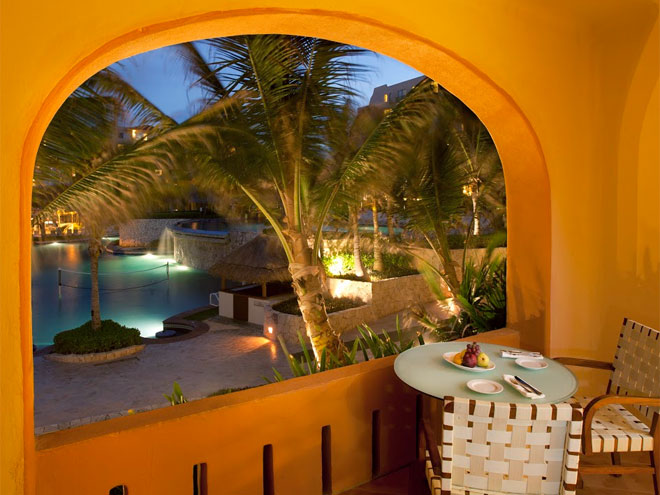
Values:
[(449, 357)]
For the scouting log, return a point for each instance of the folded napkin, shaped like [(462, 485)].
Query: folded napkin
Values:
[(511, 380), (519, 354)]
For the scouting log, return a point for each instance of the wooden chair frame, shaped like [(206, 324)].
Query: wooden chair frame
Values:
[(602, 401)]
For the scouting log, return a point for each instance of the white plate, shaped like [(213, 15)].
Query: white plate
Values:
[(531, 364), (449, 357), (485, 386)]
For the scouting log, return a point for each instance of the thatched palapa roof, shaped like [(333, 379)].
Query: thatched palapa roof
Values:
[(259, 261)]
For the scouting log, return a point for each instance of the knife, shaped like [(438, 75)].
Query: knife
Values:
[(530, 387)]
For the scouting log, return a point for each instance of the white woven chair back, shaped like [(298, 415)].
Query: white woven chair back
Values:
[(637, 364), (500, 448)]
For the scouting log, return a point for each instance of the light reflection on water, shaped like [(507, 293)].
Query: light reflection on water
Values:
[(143, 308)]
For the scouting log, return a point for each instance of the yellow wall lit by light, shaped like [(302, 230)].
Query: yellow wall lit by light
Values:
[(568, 89)]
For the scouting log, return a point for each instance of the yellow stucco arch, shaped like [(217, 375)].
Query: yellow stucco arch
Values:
[(528, 190)]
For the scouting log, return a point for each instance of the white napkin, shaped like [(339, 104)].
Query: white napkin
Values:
[(511, 380), (519, 354)]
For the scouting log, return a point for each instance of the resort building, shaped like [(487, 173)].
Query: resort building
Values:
[(385, 96)]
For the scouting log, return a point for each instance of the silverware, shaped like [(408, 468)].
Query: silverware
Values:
[(528, 386), (530, 354)]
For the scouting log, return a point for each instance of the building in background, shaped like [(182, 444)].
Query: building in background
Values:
[(387, 96)]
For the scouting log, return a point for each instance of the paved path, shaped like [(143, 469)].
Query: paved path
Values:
[(231, 355)]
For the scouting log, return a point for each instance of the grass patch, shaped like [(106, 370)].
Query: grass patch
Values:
[(204, 314), (84, 339), (332, 305)]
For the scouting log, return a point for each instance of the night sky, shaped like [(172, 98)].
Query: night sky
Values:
[(160, 76)]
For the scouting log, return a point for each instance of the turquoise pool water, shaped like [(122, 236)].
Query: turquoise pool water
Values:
[(144, 308)]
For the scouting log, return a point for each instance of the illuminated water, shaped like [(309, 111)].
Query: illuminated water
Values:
[(144, 308)]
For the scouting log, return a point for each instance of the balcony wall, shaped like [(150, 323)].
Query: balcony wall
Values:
[(370, 412)]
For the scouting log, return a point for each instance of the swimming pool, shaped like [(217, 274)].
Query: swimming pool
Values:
[(144, 308)]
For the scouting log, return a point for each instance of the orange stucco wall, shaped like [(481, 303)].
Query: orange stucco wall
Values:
[(568, 89)]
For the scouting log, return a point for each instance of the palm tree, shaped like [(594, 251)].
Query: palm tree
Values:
[(378, 248), (479, 159), (80, 166), (273, 147), (441, 157), (348, 133), (429, 191)]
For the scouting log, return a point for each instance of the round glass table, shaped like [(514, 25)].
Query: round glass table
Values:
[(424, 369)]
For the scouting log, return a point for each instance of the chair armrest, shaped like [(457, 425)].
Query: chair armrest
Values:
[(432, 446), (585, 363), (605, 400)]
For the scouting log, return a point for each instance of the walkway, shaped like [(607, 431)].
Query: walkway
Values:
[(231, 355)]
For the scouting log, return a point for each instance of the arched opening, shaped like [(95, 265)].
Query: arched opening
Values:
[(526, 176)]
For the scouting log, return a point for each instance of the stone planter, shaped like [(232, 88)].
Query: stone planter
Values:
[(287, 326), (385, 296), (381, 298), (96, 357)]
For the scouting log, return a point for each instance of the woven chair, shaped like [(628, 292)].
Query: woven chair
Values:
[(626, 419), (499, 448)]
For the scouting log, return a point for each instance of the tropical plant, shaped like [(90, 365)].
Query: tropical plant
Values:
[(372, 346), (450, 150), (273, 147), (177, 395), (484, 179), (80, 165), (480, 299), (429, 189)]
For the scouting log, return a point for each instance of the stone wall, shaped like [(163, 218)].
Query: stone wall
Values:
[(288, 326), (141, 231), (203, 251), (384, 296), (381, 298)]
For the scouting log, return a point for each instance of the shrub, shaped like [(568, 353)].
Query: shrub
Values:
[(394, 265), (480, 298), (332, 305), (84, 339), (305, 363)]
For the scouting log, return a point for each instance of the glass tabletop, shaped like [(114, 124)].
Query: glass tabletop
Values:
[(424, 369)]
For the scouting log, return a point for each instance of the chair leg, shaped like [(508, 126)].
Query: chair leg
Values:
[(417, 479), (616, 461), (655, 462)]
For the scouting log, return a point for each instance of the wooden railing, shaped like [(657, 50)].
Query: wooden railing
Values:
[(318, 434)]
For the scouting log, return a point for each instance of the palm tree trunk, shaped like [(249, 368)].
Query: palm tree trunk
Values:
[(378, 250), (94, 248), (357, 255), (448, 265), (390, 222), (42, 230), (307, 284), (475, 212)]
